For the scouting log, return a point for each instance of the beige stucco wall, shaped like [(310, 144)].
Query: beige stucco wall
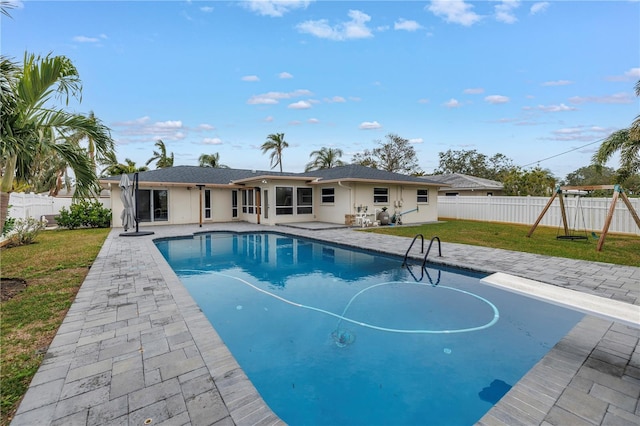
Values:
[(184, 203)]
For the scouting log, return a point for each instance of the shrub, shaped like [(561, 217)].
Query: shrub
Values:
[(8, 225), (25, 231), (89, 214)]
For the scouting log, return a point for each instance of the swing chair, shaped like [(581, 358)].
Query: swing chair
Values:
[(572, 233)]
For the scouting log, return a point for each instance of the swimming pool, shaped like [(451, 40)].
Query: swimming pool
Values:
[(333, 335)]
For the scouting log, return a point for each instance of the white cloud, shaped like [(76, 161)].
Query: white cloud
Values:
[(268, 119), (474, 91), (274, 8), (206, 9), (452, 103), (356, 28), (454, 11), (557, 83), (272, 98), (212, 141), (300, 105), (539, 7), (335, 99), (206, 127), (285, 75), (556, 108), (85, 39), (176, 124), (416, 140), (617, 98), (369, 125), (632, 74), (505, 11), (496, 99), (141, 130), (406, 25), (313, 121), (250, 78), (423, 101)]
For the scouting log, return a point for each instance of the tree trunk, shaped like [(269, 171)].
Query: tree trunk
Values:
[(6, 186), (4, 206)]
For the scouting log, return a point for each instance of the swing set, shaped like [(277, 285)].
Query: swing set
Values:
[(618, 192)]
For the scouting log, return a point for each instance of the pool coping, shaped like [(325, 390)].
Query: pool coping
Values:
[(592, 375)]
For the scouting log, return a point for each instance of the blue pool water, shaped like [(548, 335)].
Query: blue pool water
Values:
[(336, 336)]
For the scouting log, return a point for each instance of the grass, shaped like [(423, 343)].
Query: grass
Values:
[(618, 249), (54, 268)]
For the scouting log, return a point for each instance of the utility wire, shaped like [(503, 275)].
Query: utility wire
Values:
[(563, 153)]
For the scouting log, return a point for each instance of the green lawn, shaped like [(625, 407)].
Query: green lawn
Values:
[(618, 249), (54, 268)]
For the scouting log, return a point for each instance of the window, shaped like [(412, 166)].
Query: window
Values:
[(381, 195), (328, 195), (207, 204), (284, 200), (451, 194), (247, 201), (423, 196), (153, 205), (234, 203), (304, 198)]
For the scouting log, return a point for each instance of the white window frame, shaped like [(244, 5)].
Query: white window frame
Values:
[(378, 196)]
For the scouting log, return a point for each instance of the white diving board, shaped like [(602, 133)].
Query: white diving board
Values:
[(590, 304)]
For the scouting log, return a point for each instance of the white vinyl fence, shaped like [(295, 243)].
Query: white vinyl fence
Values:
[(583, 213), (23, 205)]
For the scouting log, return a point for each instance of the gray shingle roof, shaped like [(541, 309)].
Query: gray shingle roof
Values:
[(221, 176), (197, 175), (358, 172), (460, 181)]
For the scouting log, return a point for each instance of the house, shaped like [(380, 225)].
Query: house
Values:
[(191, 194), (459, 184)]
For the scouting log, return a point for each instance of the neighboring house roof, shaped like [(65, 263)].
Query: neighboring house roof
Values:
[(223, 176), (466, 182)]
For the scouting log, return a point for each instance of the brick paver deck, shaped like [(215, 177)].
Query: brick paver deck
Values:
[(135, 348)]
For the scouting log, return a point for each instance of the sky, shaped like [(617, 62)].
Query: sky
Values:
[(541, 82)]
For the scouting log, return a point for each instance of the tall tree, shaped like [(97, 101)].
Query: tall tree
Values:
[(325, 158), (276, 144), (396, 155), (534, 182), (473, 163), (32, 125), (627, 143), (211, 160), (160, 157)]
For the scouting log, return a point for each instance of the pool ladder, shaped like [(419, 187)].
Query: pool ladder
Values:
[(424, 260)]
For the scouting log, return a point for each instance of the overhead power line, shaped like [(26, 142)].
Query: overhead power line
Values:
[(563, 153)]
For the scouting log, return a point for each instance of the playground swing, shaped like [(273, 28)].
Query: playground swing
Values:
[(572, 233), (618, 192)]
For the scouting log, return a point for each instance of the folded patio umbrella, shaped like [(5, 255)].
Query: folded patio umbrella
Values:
[(128, 216)]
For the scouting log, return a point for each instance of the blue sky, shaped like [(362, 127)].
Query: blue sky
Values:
[(527, 79)]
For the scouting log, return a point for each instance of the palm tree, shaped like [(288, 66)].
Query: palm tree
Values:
[(275, 143), (211, 160), (115, 168), (625, 141), (325, 158), (31, 126), (162, 160)]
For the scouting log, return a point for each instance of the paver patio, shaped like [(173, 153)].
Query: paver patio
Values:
[(135, 348)]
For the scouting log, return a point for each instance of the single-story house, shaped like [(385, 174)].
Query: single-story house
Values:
[(192, 194), (459, 184)]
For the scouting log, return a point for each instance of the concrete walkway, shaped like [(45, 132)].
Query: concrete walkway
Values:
[(135, 349)]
